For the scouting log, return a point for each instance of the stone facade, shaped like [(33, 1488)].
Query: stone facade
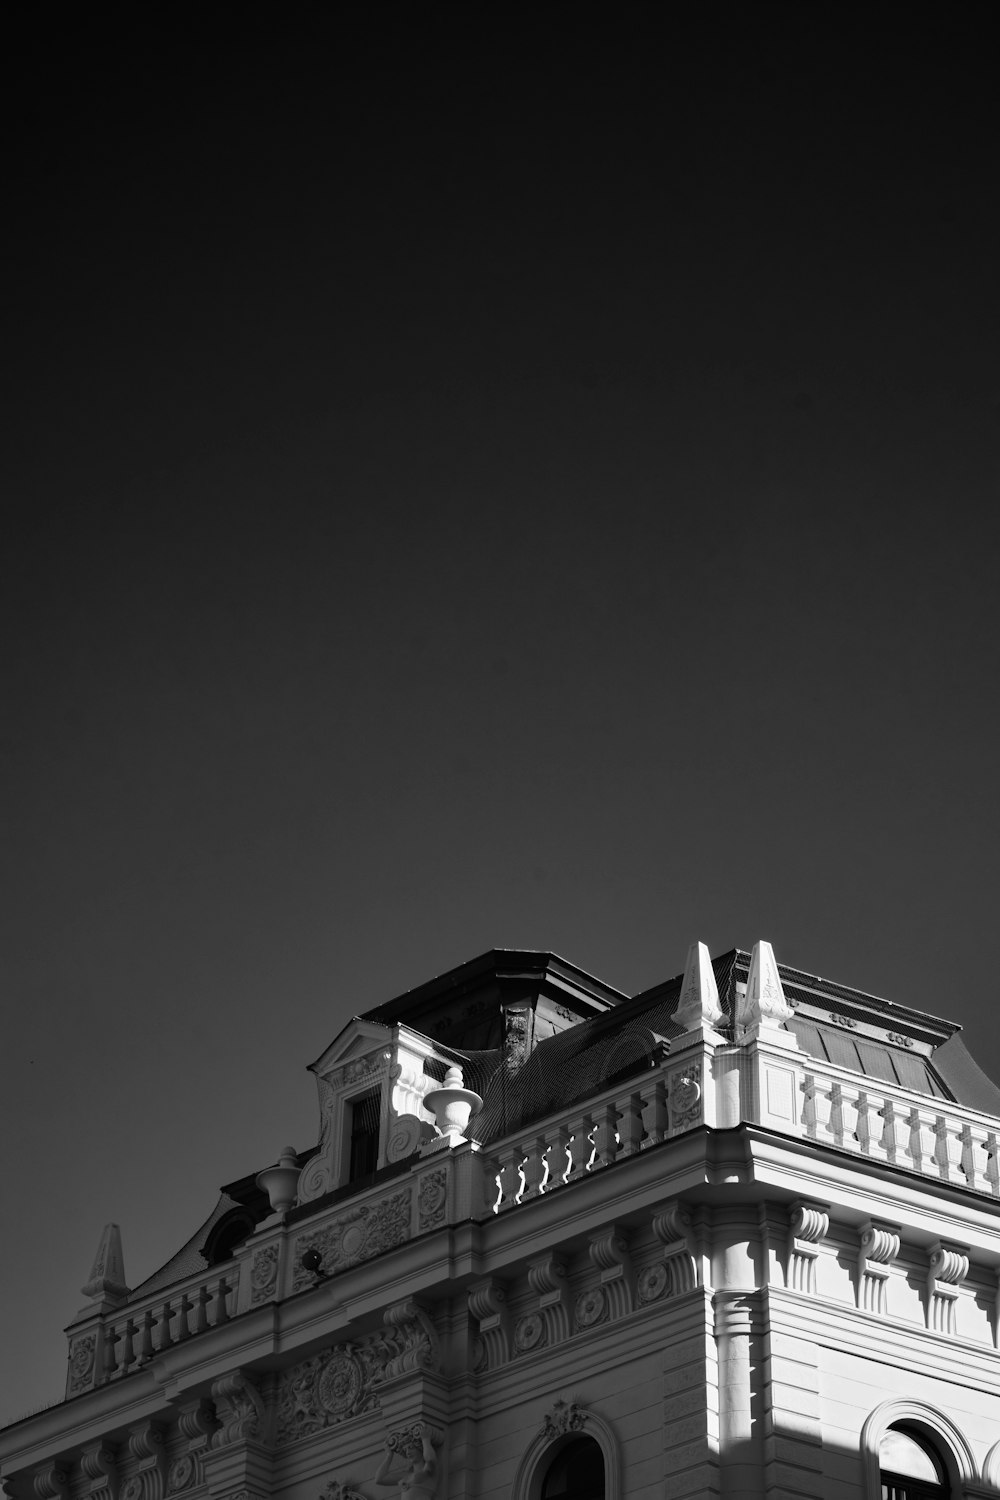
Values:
[(733, 1262)]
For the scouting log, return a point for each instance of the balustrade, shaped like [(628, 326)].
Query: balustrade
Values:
[(134, 1339)]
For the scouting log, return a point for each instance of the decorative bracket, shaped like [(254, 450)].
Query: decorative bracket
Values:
[(947, 1269), (809, 1224), (548, 1279), (677, 1271), (488, 1304), (609, 1253), (240, 1408), (99, 1463), (876, 1253), (422, 1349)]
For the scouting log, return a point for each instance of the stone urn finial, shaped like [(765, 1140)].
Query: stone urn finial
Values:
[(452, 1106), (280, 1181)]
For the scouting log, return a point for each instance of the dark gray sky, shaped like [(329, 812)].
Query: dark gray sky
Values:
[(474, 478)]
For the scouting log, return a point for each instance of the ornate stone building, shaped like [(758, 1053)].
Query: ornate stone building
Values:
[(736, 1236)]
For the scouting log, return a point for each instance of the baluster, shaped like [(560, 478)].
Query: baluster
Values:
[(509, 1177), (654, 1114), (948, 1149), (183, 1327), (534, 1167), (921, 1141), (630, 1125), (146, 1337), (866, 1128), (108, 1354), (992, 1169), (128, 1348), (222, 1301), (886, 1145), (557, 1160), (835, 1124), (605, 1137), (166, 1313), (816, 1109), (581, 1148), (201, 1309), (970, 1166)]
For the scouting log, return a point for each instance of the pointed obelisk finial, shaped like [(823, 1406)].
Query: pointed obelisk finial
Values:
[(698, 1006), (763, 1008), (107, 1274)]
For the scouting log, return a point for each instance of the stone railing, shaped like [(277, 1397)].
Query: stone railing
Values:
[(929, 1136), (129, 1337), (721, 1087), (783, 1089), (550, 1154)]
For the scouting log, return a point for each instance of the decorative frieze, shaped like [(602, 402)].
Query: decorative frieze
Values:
[(357, 1235), (876, 1253), (343, 1381), (947, 1268), (809, 1224)]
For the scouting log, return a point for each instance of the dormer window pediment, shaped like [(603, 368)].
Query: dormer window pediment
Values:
[(371, 1083)]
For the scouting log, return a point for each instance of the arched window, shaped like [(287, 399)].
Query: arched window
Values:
[(909, 1467), (576, 1472)]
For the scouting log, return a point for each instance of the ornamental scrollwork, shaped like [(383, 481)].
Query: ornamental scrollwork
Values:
[(334, 1490), (343, 1382), (564, 1416), (264, 1274), (81, 1362), (431, 1197), (684, 1097), (359, 1235)]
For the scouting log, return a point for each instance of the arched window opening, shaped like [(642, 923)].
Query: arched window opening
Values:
[(576, 1472), (227, 1236), (909, 1467)]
